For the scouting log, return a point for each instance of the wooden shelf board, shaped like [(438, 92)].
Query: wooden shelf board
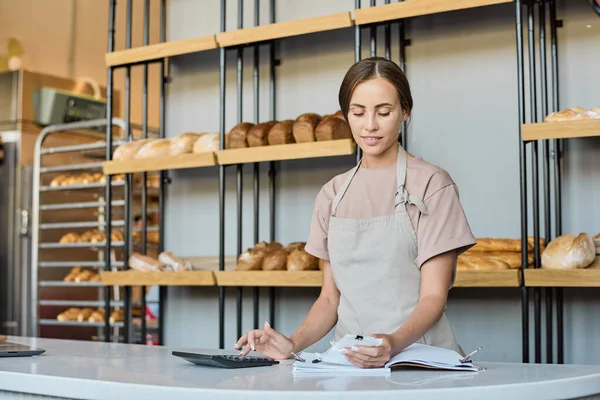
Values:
[(270, 278), (285, 29), (415, 8), (159, 163), (589, 277), (166, 278), (561, 130), (503, 278), (291, 151), (160, 50)]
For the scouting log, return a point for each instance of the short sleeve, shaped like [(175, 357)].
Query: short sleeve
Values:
[(319, 226), (444, 227)]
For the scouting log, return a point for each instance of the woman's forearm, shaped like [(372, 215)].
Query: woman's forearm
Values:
[(319, 321), (425, 315)]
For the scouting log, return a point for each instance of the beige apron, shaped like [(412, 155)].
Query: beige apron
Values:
[(373, 265)]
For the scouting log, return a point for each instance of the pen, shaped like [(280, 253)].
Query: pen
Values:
[(465, 358), (297, 357)]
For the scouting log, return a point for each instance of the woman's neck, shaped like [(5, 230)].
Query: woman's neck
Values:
[(384, 159)]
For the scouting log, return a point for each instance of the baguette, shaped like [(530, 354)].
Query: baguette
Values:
[(332, 128), (468, 263), (281, 133), (183, 143), (209, 142), (238, 135), (144, 263), (127, 151), (511, 258), (502, 244), (176, 263), (304, 127), (155, 148), (258, 135)]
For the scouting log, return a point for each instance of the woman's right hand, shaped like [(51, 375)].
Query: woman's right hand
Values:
[(266, 341)]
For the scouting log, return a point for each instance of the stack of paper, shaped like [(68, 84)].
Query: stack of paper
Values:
[(416, 355)]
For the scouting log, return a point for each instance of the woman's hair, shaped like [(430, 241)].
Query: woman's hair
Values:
[(370, 68)]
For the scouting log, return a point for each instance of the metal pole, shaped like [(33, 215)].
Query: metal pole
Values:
[(239, 175), (162, 291), (402, 44), (373, 30), (109, 141), (388, 51), (256, 76), (357, 58), (222, 183), (523, 177), (546, 176), (145, 175), (272, 165), (557, 177)]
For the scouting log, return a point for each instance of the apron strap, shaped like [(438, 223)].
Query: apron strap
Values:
[(343, 189), (402, 195)]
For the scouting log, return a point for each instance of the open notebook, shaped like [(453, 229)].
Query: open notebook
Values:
[(416, 355)]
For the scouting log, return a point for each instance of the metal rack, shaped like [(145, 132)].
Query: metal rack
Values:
[(58, 214)]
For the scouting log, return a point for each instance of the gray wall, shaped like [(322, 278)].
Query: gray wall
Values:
[(462, 68)]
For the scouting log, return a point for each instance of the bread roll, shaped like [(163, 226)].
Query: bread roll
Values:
[(251, 260), (502, 244), (155, 148), (70, 314), (57, 180), (238, 135), (97, 316), (332, 128), (304, 127), (281, 133), (70, 237), (587, 115), (339, 114), (258, 135), (116, 316), (578, 109), (176, 263), (294, 246), (564, 115), (596, 109), (84, 314), (300, 260), (72, 274), (209, 142), (144, 263), (268, 247), (569, 252), (183, 143), (275, 261), (469, 263), (127, 151), (596, 240)]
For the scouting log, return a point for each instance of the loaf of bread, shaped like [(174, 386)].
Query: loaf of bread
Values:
[(238, 136), (70, 314), (70, 237), (300, 260), (304, 127), (558, 116), (209, 142), (268, 247), (97, 316), (275, 261), (294, 246), (511, 258), (332, 128), (587, 115), (339, 114), (154, 148), (117, 316), (176, 263), (84, 314), (596, 240), (183, 143), (569, 252), (258, 135), (251, 260), (144, 263), (281, 133), (475, 263), (502, 244), (72, 274), (128, 151)]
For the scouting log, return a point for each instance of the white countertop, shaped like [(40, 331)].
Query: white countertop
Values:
[(90, 370)]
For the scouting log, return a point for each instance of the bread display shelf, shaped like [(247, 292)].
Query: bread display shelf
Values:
[(269, 278), (541, 277), (70, 264), (80, 324), (164, 278), (328, 148), (80, 187), (182, 161), (78, 245), (285, 29), (81, 303), (561, 130), (505, 278), (415, 8), (160, 50), (68, 284)]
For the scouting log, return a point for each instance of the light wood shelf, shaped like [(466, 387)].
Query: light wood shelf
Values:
[(541, 277), (159, 163), (290, 151), (504, 278), (414, 8), (285, 29), (165, 278), (269, 278), (561, 130), (160, 50)]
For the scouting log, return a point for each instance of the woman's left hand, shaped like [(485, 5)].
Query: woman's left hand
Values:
[(370, 356)]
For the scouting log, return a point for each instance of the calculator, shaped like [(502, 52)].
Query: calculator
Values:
[(225, 361)]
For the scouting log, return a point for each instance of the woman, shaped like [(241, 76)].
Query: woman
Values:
[(389, 231)]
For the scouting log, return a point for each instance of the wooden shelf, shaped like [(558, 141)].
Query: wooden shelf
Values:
[(589, 277), (167, 278), (159, 163), (285, 29), (505, 278), (160, 50), (292, 151), (561, 130), (269, 278), (414, 8)]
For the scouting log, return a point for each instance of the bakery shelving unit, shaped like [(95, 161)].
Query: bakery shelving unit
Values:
[(236, 40), (549, 136), (69, 208)]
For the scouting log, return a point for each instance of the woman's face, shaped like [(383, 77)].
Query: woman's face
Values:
[(375, 116)]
